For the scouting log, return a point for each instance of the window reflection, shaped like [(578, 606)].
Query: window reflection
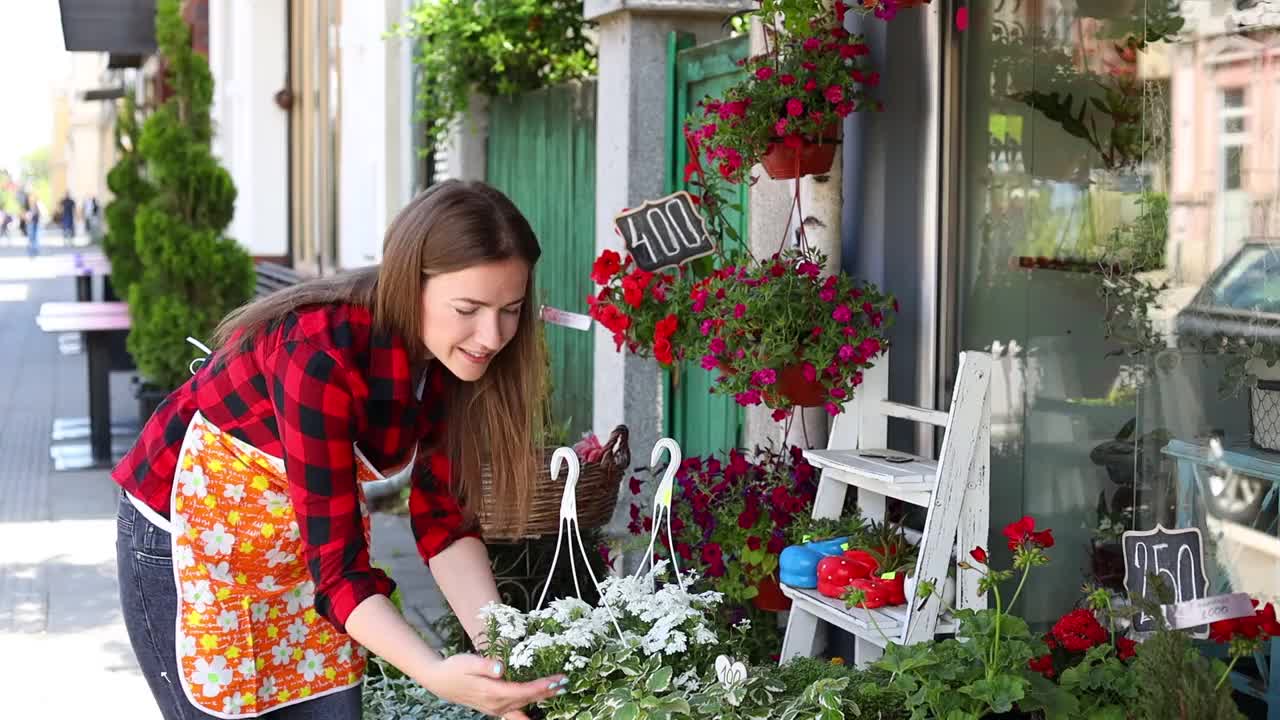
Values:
[(1121, 260)]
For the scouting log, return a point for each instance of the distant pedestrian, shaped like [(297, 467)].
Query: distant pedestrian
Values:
[(68, 216), (33, 225)]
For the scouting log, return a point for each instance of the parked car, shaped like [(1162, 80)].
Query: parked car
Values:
[(1240, 300)]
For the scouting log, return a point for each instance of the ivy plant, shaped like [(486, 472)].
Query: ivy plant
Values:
[(494, 48)]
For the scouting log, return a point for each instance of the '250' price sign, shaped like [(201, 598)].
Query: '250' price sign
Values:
[(1173, 559)]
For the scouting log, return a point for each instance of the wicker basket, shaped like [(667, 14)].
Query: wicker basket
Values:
[(597, 494)]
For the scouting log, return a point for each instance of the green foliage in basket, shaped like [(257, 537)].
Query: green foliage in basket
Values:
[(388, 694)]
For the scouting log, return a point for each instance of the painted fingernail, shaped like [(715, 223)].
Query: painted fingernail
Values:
[(561, 691), (553, 685), (497, 668), (564, 681)]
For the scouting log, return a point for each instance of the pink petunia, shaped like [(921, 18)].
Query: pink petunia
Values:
[(842, 313), (809, 372), (739, 310)]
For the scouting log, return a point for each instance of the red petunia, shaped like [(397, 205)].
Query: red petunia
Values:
[(764, 73), (605, 267), (794, 107)]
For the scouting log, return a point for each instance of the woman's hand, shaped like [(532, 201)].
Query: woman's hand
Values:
[(477, 683)]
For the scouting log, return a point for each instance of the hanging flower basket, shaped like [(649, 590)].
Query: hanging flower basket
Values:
[(795, 158)]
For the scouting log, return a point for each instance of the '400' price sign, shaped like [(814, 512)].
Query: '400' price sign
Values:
[(1173, 559), (664, 232)]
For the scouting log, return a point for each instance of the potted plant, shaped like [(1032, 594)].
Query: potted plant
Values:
[(730, 519), (789, 109), (984, 669), (780, 334), (192, 274)]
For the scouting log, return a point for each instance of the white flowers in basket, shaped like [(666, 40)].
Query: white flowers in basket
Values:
[(666, 622)]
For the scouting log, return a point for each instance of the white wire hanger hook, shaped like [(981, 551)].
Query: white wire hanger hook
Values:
[(662, 503), (569, 521)]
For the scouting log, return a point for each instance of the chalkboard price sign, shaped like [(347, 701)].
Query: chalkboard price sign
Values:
[(664, 232), (1174, 556)]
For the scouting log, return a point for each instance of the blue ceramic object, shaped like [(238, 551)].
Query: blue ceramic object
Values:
[(798, 564)]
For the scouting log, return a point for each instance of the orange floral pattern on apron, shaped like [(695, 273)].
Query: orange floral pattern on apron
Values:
[(249, 637)]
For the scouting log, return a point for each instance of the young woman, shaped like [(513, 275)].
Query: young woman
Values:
[(243, 553)]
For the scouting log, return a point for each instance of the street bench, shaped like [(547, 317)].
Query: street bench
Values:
[(270, 277), (100, 323)]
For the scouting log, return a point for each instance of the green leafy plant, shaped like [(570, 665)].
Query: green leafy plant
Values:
[(984, 668), (806, 528), (1179, 683), (192, 274), (130, 189), (493, 48)]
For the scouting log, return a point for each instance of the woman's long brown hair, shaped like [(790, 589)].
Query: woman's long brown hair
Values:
[(451, 226)]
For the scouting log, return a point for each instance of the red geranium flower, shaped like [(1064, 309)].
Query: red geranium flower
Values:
[(1125, 648), (1079, 630), (979, 554), (1022, 532), (1042, 665)]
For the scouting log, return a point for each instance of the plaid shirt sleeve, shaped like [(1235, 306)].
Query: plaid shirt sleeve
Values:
[(434, 513), (315, 409)]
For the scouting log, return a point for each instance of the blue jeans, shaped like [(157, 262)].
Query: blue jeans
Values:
[(149, 600)]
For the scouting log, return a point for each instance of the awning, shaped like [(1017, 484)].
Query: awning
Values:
[(127, 27)]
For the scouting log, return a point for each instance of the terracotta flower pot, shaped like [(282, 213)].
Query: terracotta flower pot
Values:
[(770, 597), (811, 158), (798, 391)]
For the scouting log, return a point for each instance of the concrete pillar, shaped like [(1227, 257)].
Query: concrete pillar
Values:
[(465, 149), (632, 140)]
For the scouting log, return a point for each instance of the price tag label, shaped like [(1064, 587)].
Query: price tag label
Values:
[(1195, 613), (564, 318)]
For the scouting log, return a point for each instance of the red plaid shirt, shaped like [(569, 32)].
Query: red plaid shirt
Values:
[(307, 390)]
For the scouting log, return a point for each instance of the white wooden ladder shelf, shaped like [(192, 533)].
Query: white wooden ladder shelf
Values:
[(954, 489)]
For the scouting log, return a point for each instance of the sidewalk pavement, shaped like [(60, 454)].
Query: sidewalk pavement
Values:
[(65, 649)]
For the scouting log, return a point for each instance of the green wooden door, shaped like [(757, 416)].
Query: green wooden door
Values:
[(702, 422), (541, 153)]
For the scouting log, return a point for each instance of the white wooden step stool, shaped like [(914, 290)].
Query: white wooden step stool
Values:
[(954, 489)]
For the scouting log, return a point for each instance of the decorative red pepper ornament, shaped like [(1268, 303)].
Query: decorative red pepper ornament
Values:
[(838, 572)]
